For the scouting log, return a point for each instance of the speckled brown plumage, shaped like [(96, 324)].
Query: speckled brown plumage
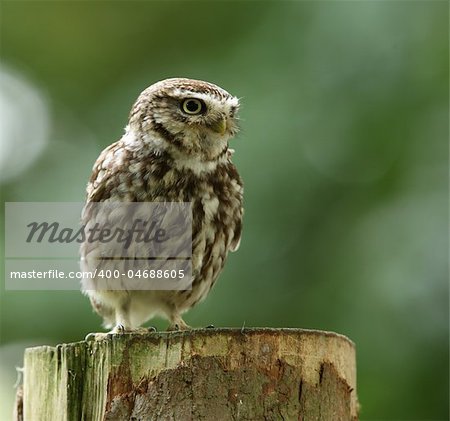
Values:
[(168, 154)]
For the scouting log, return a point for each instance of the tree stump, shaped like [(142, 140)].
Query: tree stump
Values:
[(207, 374)]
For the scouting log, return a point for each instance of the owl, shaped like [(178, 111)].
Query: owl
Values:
[(175, 149)]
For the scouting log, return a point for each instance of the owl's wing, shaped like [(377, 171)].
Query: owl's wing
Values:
[(106, 178), (239, 210), (236, 241)]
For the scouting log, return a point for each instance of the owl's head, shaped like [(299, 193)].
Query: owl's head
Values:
[(187, 118)]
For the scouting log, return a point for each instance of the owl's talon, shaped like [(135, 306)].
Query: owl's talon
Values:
[(118, 329), (210, 327), (99, 336), (152, 329), (90, 337), (178, 326)]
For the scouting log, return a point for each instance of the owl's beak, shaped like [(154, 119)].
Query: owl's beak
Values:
[(219, 126)]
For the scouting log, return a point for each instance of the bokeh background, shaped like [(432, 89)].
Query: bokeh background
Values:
[(343, 151)]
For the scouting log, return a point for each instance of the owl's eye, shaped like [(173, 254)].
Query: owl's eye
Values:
[(193, 106)]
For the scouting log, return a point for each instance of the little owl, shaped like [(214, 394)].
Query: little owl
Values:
[(175, 149)]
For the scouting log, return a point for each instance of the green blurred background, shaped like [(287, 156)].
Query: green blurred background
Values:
[(343, 151)]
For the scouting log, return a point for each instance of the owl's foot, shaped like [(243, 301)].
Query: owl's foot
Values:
[(178, 324), (177, 328), (210, 327), (96, 336), (118, 330)]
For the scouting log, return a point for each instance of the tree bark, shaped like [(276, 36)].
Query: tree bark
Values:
[(210, 374)]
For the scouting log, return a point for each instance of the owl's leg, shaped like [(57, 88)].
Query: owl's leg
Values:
[(124, 324), (122, 316), (177, 323)]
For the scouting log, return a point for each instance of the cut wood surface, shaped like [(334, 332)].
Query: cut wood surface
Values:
[(206, 374)]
